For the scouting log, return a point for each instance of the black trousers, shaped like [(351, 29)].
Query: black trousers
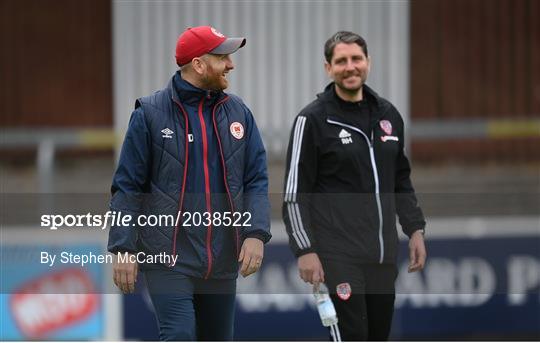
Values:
[(366, 313)]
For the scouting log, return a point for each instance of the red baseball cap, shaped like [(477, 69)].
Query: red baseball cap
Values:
[(200, 40)]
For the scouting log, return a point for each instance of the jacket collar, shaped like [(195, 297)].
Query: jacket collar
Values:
[(186, 93), (328, 97)]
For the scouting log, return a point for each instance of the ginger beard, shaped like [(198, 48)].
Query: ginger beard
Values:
[(215, 77)]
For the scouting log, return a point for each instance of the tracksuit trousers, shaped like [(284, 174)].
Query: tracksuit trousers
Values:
[(363, 295), (191, 309)]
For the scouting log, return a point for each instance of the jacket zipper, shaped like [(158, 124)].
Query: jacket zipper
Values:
[(209, 235), (181, 201), (231, 204), (206, 188), (375, 176)]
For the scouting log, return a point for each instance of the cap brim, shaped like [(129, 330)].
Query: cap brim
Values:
[(229, 46)]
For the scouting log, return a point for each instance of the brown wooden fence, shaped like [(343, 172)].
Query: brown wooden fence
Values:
[(476, 59), (55, 63)]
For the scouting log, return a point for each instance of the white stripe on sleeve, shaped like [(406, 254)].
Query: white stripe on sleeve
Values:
[(292, 180), (294, 225), (298, 231)]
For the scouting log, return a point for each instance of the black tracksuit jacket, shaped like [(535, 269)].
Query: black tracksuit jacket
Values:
[(344, 187)]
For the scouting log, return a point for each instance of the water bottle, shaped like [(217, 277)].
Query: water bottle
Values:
[(326, 309)]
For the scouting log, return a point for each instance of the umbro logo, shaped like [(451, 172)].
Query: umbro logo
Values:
[(167, 132), (345, 137)]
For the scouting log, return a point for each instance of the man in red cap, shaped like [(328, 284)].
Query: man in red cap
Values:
[(194, 153)]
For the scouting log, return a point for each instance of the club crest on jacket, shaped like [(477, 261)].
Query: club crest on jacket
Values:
[(386, 126), (237, 130)]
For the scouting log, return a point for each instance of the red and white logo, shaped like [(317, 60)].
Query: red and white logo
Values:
[(237, 130), (53, 301), (217, 33), (389, 138), (343, 291), (386, 126)]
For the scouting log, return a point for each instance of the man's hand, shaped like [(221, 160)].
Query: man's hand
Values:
[(310, 268), (417, 252), (124, 275), (251, 256)]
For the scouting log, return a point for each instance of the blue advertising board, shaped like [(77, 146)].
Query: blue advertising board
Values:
[(470, 288)]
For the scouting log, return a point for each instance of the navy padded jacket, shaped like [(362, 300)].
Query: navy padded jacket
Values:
[(153, 171)]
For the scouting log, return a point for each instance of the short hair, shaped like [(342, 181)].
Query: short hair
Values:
[(346, 37), (188, 66)]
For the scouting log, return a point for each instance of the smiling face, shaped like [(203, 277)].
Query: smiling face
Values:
[(215, 72), (349, 68)]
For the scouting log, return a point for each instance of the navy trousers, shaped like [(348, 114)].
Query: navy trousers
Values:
[(191, 309)]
